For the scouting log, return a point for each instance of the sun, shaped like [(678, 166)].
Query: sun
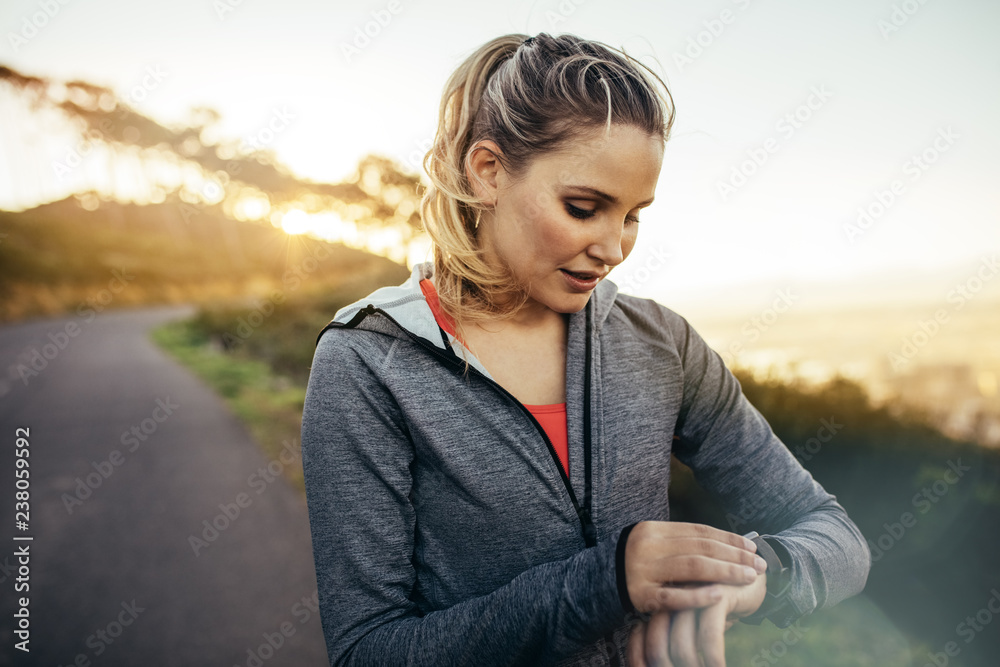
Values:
[(295, 222)]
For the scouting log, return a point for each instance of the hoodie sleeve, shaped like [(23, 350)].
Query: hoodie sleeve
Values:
[(737, 457), (356, 455)]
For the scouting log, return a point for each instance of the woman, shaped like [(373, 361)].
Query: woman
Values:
[(487, 446)]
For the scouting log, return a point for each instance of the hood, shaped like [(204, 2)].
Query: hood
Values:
[(406, 304)]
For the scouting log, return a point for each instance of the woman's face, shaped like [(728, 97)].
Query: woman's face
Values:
[(573, 215)]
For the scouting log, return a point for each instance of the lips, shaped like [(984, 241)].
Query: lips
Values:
[(583, 275), (581, 282)]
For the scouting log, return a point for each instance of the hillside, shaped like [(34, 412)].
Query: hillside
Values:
[(60, 258)]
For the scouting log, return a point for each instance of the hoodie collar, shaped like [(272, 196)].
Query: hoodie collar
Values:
[(406, 304)]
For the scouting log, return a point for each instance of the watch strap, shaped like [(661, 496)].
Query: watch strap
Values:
[(776, 605)]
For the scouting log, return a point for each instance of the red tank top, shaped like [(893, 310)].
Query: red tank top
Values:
[(552, 417)]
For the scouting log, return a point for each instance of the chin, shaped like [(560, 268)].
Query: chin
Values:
[(569, 304), (558, 298)]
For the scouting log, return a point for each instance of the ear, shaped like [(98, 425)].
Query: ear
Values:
[(484, 169)]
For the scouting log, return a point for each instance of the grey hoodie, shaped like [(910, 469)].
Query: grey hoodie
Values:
[(445, 531)]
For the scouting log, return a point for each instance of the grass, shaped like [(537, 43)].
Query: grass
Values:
[(855, 633), (262, 373), (270, 405)]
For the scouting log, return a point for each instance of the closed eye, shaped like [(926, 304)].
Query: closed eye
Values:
[(578, 212), (583, 214)]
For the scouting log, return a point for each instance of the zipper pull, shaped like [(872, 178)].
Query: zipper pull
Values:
[(353, 322)]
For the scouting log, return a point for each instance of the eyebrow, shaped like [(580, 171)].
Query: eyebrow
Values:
[(611, 199)]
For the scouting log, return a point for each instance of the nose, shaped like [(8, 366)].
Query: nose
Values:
[(606, 245)]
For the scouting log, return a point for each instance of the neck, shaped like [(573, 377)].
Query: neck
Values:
[(531, 316)]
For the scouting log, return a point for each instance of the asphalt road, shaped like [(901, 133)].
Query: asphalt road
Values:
[(129, 454)]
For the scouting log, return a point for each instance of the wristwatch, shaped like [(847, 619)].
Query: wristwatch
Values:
[(776, 605)]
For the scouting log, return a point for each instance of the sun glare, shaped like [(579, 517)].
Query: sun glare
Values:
[(327, 226), (295, 222)]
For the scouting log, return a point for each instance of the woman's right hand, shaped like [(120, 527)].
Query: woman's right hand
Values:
[(672, 565)]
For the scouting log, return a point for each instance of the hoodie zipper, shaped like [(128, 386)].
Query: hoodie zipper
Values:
[(582, 511)]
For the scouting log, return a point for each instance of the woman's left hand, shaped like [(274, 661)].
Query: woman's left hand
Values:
[(694, 637)]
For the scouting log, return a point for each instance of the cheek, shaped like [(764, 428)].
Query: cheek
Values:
[(556, 235), (561, 241), (542, 228)]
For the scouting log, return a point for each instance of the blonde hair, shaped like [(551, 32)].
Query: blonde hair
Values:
[(530, 96)]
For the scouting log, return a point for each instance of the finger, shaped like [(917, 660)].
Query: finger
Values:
[(652, 559), (682, 570), (669, 598), (656, 644), (711, 635), (683, 644), (679, 529), (636, 642), (652, 555), (703, 569), (701, 546), (695, 561)]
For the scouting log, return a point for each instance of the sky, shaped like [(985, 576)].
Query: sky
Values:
[(850, 143)]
